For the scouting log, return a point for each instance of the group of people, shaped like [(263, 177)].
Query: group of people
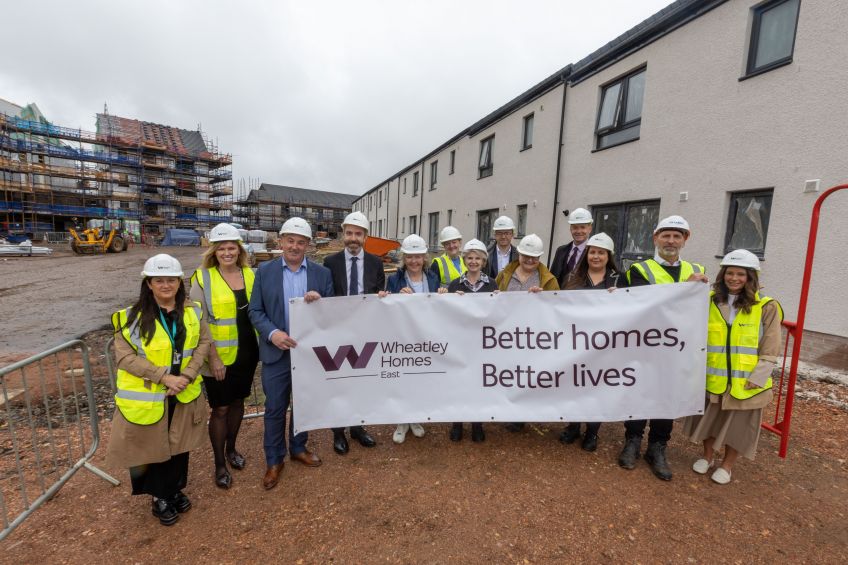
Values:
[(170, 342)]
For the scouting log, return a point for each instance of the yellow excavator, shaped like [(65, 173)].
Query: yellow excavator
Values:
[(91, 240)]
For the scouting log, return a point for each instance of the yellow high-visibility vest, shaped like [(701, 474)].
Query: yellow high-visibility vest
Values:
[(139, 400), (655, 274), (732, 349), (447, 270), (221, 306)]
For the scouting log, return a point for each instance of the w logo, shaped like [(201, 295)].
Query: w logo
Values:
[(357, 361)]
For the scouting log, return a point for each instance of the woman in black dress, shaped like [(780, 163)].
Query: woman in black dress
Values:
[(223, 285)]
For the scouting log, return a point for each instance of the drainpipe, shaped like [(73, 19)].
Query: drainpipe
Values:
[(421, 202), (558, 168)]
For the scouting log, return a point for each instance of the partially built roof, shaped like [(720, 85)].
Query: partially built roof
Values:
[(176, 140), (302, 196)]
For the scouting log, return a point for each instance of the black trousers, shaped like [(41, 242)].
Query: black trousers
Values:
[(164, 479), (660, 430)]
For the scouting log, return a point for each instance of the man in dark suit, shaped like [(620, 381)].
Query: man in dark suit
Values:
[(277, 281), (355, 272), (502, 252), (568, 256)]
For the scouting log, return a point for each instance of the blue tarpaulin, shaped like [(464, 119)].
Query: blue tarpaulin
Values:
[(182, 237)]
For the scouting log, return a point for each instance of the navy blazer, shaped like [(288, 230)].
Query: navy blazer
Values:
[(397, 280), (559, 265), (492, 261), (267, 311), (373, 277)]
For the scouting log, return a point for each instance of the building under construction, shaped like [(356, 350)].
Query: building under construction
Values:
[(142, 176), (267, 207)]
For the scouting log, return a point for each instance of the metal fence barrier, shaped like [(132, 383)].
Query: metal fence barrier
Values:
[(254, 405), (47, 418)]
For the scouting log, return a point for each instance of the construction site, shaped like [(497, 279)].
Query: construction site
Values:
[(137, 177)]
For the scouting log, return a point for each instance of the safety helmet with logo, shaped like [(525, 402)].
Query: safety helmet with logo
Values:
[(503, 223), (475, 245), (531, 245), (413, 245), (603, 241), (162, 265), (673, 223), (741, 258), (357, 219), (449, 233), (297, 226), (224, 232), (580, 216)]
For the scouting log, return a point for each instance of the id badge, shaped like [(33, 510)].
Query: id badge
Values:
[(176, 358)]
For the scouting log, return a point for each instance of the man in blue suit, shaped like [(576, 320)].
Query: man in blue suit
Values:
[(292, 276)]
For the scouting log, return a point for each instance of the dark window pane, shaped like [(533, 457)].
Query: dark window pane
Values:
[(619, 136), (641, 221), (608, 106), (776, 33), (749, 222), (635, 95)]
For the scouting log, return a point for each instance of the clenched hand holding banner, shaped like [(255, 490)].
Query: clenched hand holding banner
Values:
[(572, 356)]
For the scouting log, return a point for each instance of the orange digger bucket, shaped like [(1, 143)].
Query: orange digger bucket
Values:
[(379, 246)]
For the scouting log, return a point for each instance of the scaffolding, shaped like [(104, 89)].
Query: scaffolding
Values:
[(141, 174), (267, 207)]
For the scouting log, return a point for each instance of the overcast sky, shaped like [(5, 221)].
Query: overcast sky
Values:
[(327, 95)]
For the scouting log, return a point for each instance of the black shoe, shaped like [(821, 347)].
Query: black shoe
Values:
[(165, 511), (655, 457), (180, 502), (477, 433), (630, 453), (590, 442), (359, 434), (223, 479), (340, 443), (514, 427), (456, 432), (570, 434), (236, 460)]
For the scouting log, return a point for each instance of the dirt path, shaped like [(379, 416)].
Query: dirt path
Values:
[(45, 301)]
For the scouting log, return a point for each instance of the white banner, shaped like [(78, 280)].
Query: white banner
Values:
[(584, 355)]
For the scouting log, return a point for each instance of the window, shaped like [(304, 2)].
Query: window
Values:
[(413, 224), (485, 219), (415, 183), (631, 227), (404, 185), (522, 221), (403, 225), (380, 228), (772, 35), (450, 217), (485, 165), (379, 199), (434, 230), (434, 174), (452, 161), (748, 220), (620, 113), (527, 133)]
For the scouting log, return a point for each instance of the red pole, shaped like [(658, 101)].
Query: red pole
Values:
[(802, 312)]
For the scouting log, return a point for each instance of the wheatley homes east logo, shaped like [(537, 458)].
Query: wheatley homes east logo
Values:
[(393, 360)]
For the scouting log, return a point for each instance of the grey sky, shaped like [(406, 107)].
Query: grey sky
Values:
[(328, 95)]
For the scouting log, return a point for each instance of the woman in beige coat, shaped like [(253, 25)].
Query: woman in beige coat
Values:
[(160, 346)]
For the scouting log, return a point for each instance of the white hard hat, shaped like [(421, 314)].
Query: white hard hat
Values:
[(672, 223), (476, 245), (531, 245), (224, 232), (449, 233), (413, 245), (503, 223), (580, 216), (741, 258), (162, 265), (603, 241), (297, 226), (357, 219)]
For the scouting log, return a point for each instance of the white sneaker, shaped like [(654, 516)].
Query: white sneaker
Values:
[(721, 476), (400, 433), (701, 466), (417, 430)]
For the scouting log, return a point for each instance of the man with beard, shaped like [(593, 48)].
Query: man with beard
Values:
[(355, 272), (670, 237)]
